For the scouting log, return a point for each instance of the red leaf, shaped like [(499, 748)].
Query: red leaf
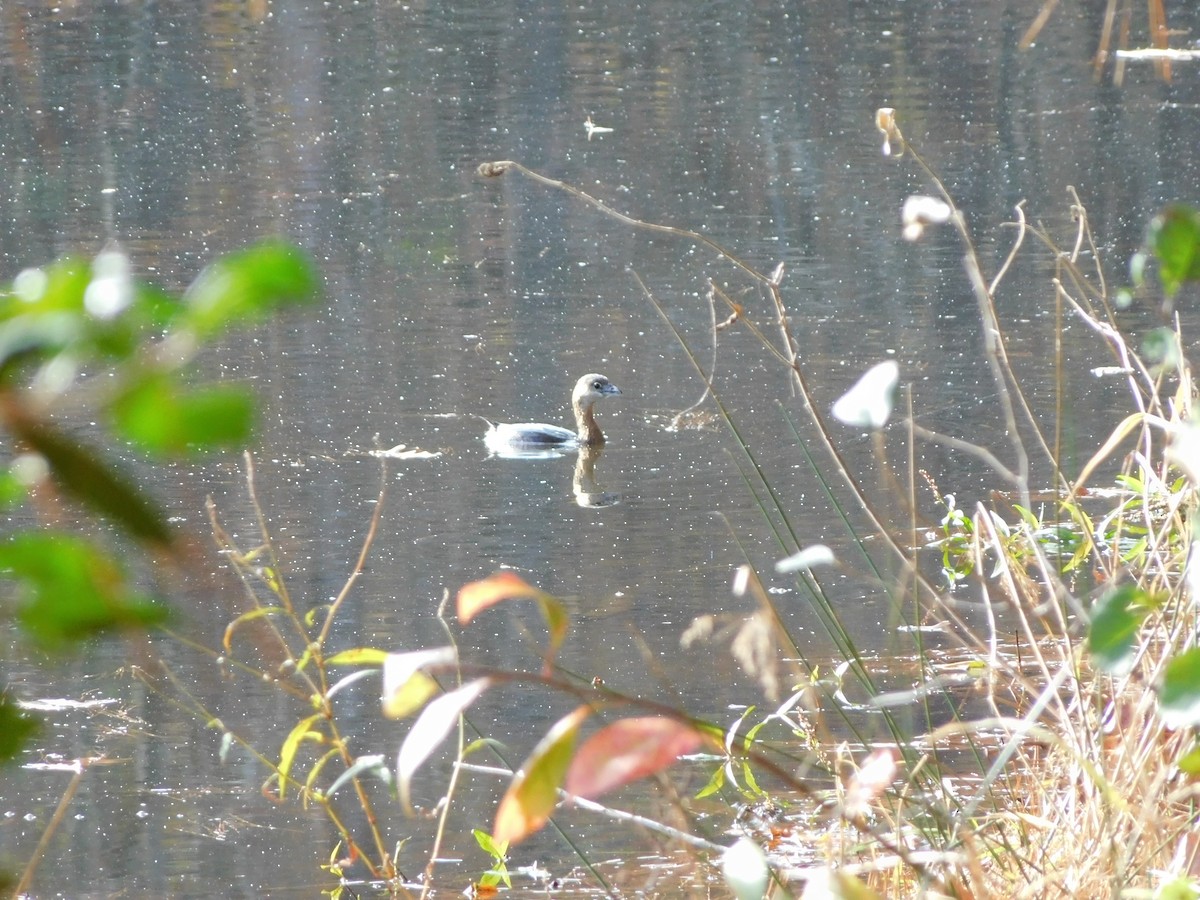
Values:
[(628, 750), (475, 597)]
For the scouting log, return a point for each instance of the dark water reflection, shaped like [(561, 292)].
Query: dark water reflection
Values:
[(183, 130)]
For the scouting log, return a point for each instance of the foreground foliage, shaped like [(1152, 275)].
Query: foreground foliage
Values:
[(85, 341)]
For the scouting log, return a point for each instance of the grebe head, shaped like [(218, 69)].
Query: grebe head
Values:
[(591, 388)]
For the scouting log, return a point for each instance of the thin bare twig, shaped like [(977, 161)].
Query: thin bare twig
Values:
[(60, 813)]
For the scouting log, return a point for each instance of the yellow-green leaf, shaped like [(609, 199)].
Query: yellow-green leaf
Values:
[(406, 686), (358, 656), (303, 731), (243, 619), (533, 794)]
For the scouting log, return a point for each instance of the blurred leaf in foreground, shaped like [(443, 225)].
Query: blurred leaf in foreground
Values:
[(248, 285), (163, 417), (1179, 692), (627, 750), (89, 479), (868, 403), (1116, 618), (533, 794), (1174, 236), (70, 590), (16, 727)]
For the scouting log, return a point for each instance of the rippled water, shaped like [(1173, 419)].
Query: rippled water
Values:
[(182, 130)]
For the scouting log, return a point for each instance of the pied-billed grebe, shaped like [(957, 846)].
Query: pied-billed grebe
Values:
[(534, 435)]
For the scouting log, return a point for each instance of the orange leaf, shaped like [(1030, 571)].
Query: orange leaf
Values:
[(627, 750), (533, 793), (475, 597)]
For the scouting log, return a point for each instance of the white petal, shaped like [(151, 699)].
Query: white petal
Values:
[(925, 210), (815, 555), (744, 866), (869, 403)]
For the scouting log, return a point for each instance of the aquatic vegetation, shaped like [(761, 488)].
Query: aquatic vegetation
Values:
[(1069, 759)]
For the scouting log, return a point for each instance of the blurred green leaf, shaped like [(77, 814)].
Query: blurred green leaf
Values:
[(33, 336), (1181, 887), (70, 306), (1116, 618), (1179, 691), (1160, 348), (158, 414), (1137, 268), (58, 287), (533, 793), (1189, 763), (16, 728), (70, 590), (248, 285), (12, 489), (1174, 236), (154, 307), (92, 481)]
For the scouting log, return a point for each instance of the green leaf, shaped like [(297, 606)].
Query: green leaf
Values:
[(1174, 237), (31, 335), (58, 287), (16, 728), (246, 286), (70, 590), (154, 308), (1160, 348), (158, 414), (1116, 618), (1180, 887), (751, 783), (1189, 763), (13, 489), (364, 765), (95, 483), (715, 783), (1137, 268), (1179, 692), (304, 730), (489, 846)]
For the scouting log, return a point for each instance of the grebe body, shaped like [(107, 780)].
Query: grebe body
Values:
[(525, 436)]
